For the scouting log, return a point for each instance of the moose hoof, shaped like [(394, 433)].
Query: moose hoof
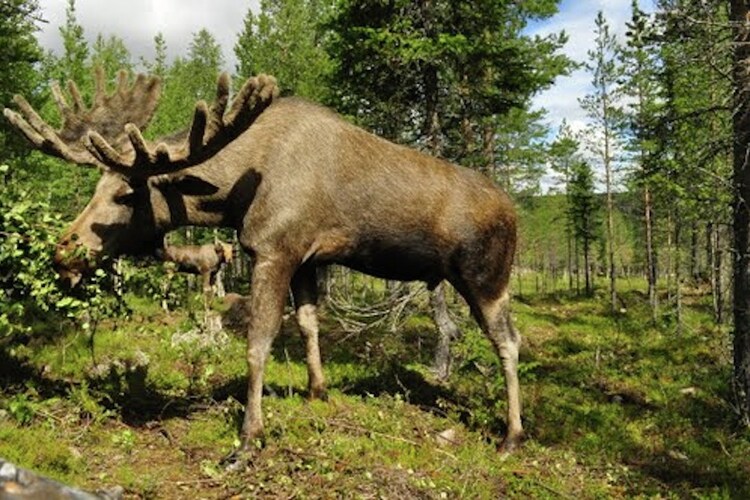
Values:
[(510, 444), (239, 459), (317, 393)]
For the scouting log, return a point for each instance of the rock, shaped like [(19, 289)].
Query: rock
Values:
[(17, 483), (448, 437)]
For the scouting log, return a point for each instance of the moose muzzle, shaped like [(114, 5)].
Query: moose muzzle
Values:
[(72, 261)]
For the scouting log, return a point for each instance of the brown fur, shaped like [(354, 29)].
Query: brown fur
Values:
[(304, 188), (204, 260)]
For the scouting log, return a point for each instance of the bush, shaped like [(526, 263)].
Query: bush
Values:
[(28, 282)]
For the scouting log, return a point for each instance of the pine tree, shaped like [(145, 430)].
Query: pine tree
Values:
[(520, 152), (602, 107), (74, 63), (741, 223), (640, 62), (111, 54), (158, 65), (19, 52), (563, 154), (285, 39), (583, 212), (186, 81)]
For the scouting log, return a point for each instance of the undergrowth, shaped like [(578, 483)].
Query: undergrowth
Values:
[(614, 406)]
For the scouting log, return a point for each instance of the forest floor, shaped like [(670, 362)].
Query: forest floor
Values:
[(613, 407)]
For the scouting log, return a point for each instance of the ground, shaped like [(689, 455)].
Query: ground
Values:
[(613, 407)]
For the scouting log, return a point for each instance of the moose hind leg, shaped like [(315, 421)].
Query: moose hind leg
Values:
[(497, 325), (305, 293)]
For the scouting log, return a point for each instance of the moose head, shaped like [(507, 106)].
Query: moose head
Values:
[(122, 216)]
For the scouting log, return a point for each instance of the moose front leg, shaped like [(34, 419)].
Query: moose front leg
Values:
[(269, 288), (305, 293)]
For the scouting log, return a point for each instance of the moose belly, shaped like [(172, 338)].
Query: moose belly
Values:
[(411, 259)]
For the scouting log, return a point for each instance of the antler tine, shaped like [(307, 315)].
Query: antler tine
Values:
[(218, 107), (122, 81), (22, 125), (106, 154), (43, 136), (256, 94), (100, 86), (140, 147), (62, 103), (76, 95), (198, 128)]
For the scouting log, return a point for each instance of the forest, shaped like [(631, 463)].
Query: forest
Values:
[(630, 285)]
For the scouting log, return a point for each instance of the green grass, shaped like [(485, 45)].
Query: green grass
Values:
[(613, 407)]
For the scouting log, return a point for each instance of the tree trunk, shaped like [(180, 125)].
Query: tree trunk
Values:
[(431, 130), (447, 332), (569, 243), (694, 271), (670, 258), (578, 268), (517, 267), (678, 272), (740, 210), (610, 228), (653, 299), (587, 266), (488, 153), (715, 254)]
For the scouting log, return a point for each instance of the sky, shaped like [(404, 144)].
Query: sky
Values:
[(137, 21)]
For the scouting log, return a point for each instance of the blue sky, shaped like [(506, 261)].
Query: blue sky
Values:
[(137, 21), (576, 18)]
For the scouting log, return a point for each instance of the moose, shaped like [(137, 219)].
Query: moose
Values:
[(303, 188), (203, 260)]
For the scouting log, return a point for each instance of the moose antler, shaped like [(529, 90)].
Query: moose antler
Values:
[(120, 146), (108, 115)]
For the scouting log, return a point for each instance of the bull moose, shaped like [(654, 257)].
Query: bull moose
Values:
[(303, 188)]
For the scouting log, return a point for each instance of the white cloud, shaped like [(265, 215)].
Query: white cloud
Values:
[(576, 18), (138, 21)]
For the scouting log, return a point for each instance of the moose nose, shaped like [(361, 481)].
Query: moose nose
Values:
[(68, 262)]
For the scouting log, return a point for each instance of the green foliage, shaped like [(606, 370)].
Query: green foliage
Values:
[(19, 52), (74, 62), (158, 66), (451, 77), (602, 105), (186, 81), (111, 54), (21, 408), (583, 213), (520, 152), (27, 281), (584, 204), (285, 39)]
